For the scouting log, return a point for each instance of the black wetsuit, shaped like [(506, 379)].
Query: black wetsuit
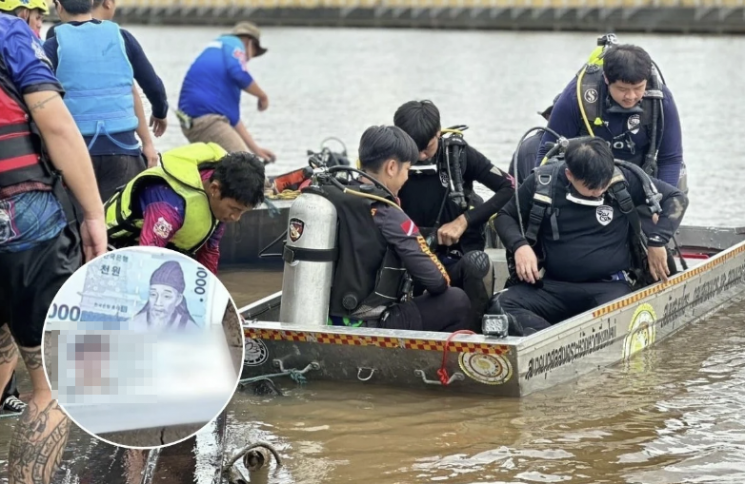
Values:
[(421, 198), (584, 266), (443, 308)]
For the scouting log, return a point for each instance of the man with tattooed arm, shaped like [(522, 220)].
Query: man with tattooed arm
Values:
[(40, 241)]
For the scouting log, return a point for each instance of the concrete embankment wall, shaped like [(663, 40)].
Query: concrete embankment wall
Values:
[(663, 16)]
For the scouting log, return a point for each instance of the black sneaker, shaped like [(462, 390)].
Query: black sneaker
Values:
[(13, 404)]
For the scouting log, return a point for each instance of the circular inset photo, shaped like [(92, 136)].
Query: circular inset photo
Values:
[(143, 347)]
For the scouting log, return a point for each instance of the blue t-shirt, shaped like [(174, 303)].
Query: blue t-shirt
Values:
[(27, 219), (214, 82)]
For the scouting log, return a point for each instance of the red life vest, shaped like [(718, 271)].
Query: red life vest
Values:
[(22, 158)]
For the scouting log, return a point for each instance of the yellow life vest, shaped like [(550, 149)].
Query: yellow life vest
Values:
[(179, 169)]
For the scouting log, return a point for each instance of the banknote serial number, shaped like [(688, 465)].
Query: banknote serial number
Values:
[(201, 282)]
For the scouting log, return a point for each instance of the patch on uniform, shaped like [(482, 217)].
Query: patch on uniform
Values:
[(296, 229), (604, 214), (487, 369), (241, 56), (633, 123), (162, 228), (7, 230), (39, 52), (444, 178), (256, 352), (591, 95), (410, 228)]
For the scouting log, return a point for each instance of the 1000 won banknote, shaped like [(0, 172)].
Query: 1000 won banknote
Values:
[(137, 290)]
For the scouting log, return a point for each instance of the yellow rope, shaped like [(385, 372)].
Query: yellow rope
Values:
[(285, 195)]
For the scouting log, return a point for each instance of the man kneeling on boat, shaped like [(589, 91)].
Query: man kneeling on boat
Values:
[(378, 244), (184, 202), (581, 214)]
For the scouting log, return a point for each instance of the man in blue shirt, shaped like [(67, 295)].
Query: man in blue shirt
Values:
[(108, 120), (40, 243), (616, 101), (209, 105)]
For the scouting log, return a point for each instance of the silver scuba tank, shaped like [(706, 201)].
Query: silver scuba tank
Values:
[(309, 261)]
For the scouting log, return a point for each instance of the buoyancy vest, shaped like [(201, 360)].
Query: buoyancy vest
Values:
[(22, 155), (542, 206), (594, 102), (368, 275), (97, 76), (180, 170)]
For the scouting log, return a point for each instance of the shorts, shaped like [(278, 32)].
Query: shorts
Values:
[(30, 280)]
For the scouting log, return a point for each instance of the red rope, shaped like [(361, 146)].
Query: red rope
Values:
[(442, 372)]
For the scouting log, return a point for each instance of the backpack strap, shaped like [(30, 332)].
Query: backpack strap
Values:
[(545, 181)]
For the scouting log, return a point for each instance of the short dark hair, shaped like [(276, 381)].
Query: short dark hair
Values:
[(590, 160), (381, 143), (241, 177), (627, 63), (420, 120), (77, 7)]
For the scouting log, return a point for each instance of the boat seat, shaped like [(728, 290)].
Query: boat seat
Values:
[(499, 274)]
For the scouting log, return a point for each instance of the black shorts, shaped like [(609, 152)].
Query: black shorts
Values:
[(30, 280)]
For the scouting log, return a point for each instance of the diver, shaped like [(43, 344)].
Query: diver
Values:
[(440, 198), (581, 218)]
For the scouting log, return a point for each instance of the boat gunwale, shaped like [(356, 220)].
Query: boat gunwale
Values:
[(310, 333)]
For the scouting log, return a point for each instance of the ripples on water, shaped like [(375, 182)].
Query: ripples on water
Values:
[(670, 415)]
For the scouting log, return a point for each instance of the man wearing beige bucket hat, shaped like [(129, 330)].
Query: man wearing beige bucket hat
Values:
[(209, 103)]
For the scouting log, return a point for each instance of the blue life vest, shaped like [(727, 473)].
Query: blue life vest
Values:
[(97, 76)]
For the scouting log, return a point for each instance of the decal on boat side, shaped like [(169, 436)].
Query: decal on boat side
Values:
[(487, 369), (590, 341), (673, 281), (642, 331), (379, 341), (256, 352)]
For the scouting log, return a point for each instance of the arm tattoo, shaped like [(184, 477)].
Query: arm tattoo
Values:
[(40, 104), (37, 444), (32, 357), (8, 351)]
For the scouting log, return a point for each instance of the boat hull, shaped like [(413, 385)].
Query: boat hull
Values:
[(508, 367)]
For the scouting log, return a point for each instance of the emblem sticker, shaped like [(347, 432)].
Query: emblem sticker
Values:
[(296, 229), (256, 352), (604, 214), (162, 228), (591, 95), (444, 178), (487, 369), (633, 123), (641, 331)]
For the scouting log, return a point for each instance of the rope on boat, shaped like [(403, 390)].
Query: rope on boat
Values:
[(285, 195), (296, 375), (254, 457), (443, 372)]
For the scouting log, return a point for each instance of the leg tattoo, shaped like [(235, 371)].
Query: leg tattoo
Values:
[(32, 357), (8, 350), (37, 444)]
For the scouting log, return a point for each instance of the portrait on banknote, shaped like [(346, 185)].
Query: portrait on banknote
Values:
[(139, 343)]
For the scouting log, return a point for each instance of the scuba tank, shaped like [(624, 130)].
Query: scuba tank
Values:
[(309, 260)]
